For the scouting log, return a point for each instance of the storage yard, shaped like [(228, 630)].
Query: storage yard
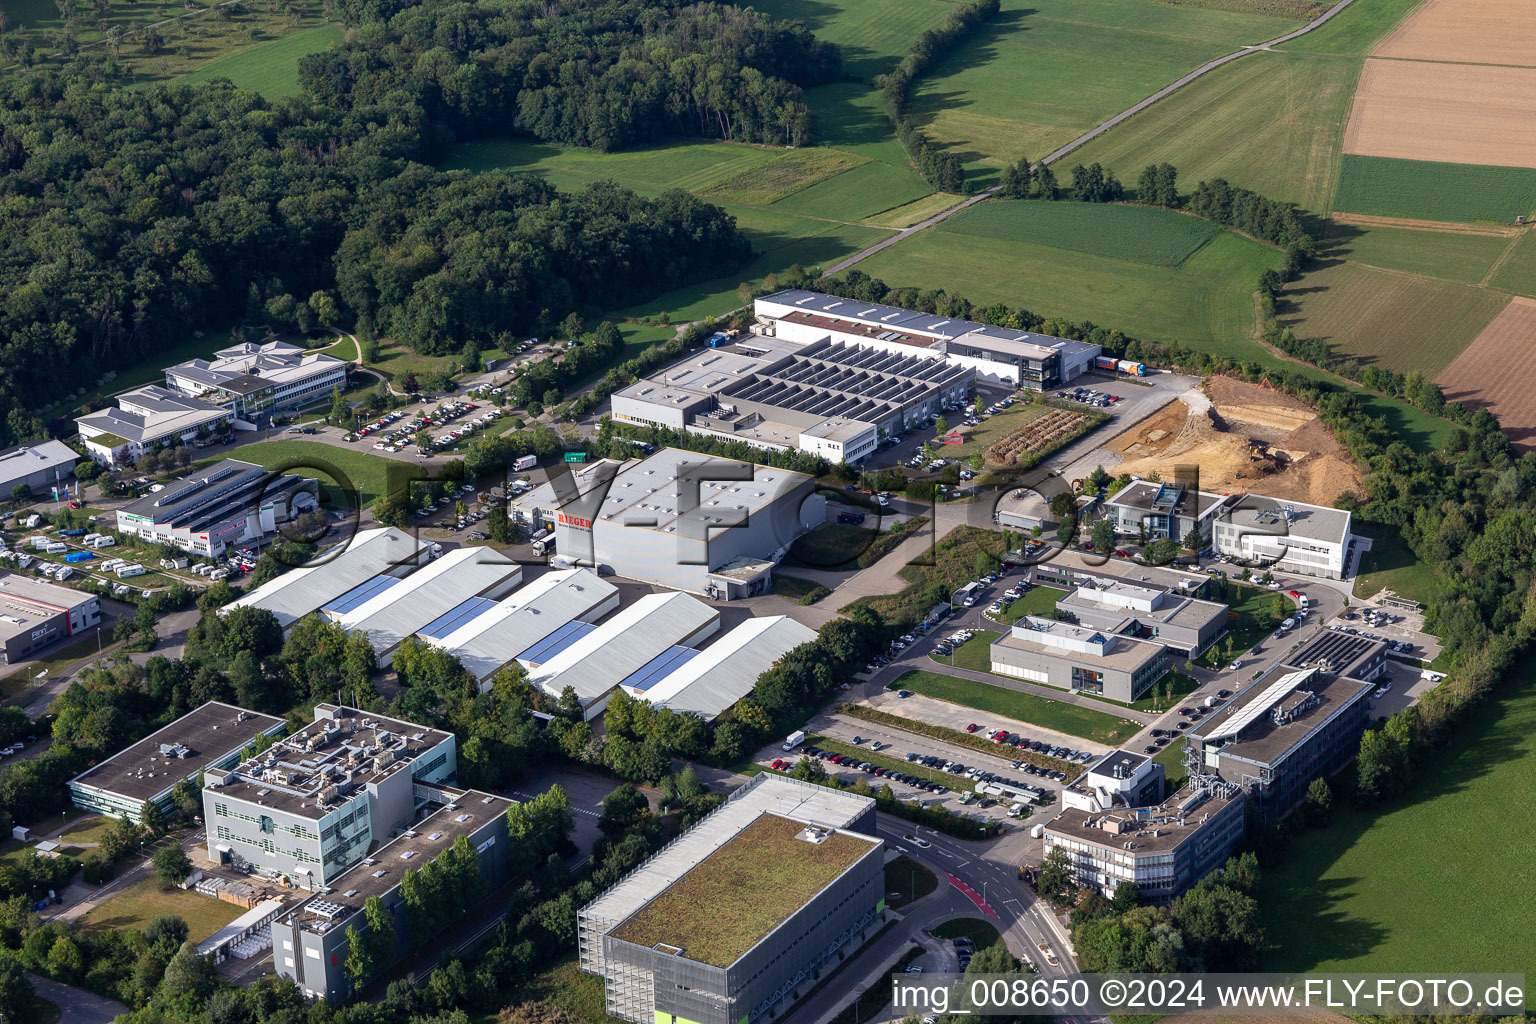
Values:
[(1248, 438), (1034, 437)]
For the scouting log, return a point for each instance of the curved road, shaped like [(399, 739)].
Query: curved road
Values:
[(1092, 134)]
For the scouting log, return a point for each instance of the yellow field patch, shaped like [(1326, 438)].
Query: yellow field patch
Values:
[(1457, 113), (1471, 31)]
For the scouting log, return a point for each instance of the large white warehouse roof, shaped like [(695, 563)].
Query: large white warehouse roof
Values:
[(336, 571), (723, 673)]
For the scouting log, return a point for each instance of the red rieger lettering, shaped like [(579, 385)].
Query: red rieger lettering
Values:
[(565, 520)]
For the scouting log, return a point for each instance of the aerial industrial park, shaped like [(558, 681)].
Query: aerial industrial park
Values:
[(835, 513)]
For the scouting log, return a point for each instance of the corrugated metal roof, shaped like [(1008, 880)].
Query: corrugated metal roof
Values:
[(658, 668), (497, 636), (399, 610), (728, 669), (457, 617), (360, 595), (623, 644), (556, 642), (370, 553)]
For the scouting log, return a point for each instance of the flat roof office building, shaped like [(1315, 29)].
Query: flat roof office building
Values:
[(1344, 654), (1035, 361), (35, 615), (1290, 536), (1168, 510), (795, 872), (251, 380), (1119, 781), (1080, 659), (228, 503), (1284, 730), (1184, 624), (144, 418), (309, 943), (674, 517), (1162, 850), (208, 737), (312, 805), (829, 398), (41, 465)]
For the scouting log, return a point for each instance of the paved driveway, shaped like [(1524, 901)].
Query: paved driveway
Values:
[(76, 1005)]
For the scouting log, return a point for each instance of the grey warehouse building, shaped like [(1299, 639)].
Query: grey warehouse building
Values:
[(1079, 659), (313, 805), (209, 737), (654, 939), (830, 398), (35, 615), (1184, 624), (41, 466), (1274, 737), (677, 519)]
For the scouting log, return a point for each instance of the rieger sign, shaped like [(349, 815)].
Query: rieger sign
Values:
[(576, 521)]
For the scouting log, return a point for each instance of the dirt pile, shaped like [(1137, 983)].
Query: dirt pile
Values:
[(1250, 438)]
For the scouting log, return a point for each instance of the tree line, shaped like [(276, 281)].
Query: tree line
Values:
[(600, 73), (226, 208), (939, 167)]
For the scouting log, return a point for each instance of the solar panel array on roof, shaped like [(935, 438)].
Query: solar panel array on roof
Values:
[(360, 594), (659, 667), (463, 613), (562, 638)]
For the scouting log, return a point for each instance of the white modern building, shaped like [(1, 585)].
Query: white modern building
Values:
[(1185, 624), (1039, 362), (319, 801), (387, 609), (708, 682), (833, 399), (228, 503), (1165, 509), (1290, 536), (1080, 659), (251, 379), (41, 465), (1118, 781), (145, 418), (675, 518), (336, 571), (622, 646)]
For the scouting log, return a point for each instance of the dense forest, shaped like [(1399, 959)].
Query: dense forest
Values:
[(599, 73), (131, 217)]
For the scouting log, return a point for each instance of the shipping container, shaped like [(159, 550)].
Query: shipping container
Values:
[(1105, 362)]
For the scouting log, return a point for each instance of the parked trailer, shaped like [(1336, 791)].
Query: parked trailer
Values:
[(1105, 362), (1134, 369), (125, 571)]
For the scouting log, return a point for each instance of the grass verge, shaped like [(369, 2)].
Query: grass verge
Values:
[(907, 881), (978, 931), (140, 903), (1028, 708)]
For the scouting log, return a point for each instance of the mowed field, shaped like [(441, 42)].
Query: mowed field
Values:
[(270, 68), (1439, 880), (1462, 113), (1141, 234), (1427, 190), (1045, 71), (1398, 320), (1454, 256), (1205, 302), (1272, 123), (1497, 371)]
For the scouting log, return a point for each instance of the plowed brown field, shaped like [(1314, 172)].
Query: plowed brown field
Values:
[(1471, 31), (1457, 113), (1498, 370)]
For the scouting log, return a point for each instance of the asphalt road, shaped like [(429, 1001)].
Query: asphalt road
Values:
[(76, 1005)]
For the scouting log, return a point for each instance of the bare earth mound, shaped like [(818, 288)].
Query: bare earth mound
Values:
[(1497, 371), (1250, 439), (1472, 31), (1459, 113)]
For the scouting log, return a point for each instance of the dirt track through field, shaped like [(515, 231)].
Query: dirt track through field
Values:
[(1497, 370), (1457, 113), (1366, 220), (1470, 31)]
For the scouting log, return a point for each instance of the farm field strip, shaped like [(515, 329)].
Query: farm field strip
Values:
[(1453, 256), (858, 194), (270, 68), (1368, 313), (1470, 31), (769, 182), (1462, 113), (1496, 370), (1433, 190)]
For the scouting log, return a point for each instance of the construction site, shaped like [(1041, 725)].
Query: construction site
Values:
[(1243, 437)]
